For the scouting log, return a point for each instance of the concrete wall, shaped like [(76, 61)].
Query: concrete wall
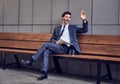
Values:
[(41, 16)]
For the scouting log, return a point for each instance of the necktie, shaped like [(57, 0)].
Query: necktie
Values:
[(62, 31)]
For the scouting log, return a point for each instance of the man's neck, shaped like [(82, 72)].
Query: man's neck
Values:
[(65, 24)]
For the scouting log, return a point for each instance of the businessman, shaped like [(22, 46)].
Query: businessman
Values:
[(64, 37)]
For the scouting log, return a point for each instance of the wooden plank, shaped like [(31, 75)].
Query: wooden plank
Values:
[(100, 49), (18, 51), (119, 38), (25, 36), (99, 39), (90, 57), (20, 44)]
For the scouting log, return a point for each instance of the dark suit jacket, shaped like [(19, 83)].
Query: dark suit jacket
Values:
[(73, 31)]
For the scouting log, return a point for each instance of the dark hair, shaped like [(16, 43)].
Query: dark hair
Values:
[(66, 12)]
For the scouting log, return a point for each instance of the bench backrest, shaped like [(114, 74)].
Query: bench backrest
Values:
[(100, 44), (89, 44), (23, 40)]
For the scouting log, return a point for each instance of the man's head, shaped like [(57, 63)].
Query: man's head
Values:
[(66, 17)]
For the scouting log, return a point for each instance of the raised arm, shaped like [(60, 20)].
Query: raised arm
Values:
[(84, 28), (83, 15)]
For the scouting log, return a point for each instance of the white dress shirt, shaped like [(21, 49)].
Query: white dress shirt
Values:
[(65, 36)]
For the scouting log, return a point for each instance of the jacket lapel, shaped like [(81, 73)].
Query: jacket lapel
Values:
[(58, 30), (70, 29)]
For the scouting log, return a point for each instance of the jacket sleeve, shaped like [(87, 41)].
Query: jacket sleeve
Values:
[(84, 28)]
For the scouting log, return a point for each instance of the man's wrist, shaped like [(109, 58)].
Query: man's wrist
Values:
[(85, 20)]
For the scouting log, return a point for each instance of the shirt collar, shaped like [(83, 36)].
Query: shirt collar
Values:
[(65, 25)]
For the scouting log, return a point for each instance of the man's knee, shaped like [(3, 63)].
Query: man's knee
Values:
[(47, 44)]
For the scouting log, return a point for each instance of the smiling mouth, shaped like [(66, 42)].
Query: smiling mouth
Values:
[(67, 21)]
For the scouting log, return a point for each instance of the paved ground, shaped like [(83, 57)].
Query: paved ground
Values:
[(28, 76)]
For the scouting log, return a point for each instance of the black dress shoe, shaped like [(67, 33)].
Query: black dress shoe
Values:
[(27, 63), (42, 77)]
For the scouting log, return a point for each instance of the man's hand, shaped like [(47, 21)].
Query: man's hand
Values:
[(83, 15), (59, 42)]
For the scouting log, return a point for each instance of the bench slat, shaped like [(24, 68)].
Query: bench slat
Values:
[(25, 36), (17, 51), (90, 57), (99, 39), (100, 49), (20, 44)]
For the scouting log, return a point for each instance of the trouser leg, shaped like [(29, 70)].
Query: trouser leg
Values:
[(38, 53), (44, 64), (47, 49), (54, 48)]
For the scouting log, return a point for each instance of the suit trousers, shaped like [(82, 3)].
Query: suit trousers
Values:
[(47, 49)]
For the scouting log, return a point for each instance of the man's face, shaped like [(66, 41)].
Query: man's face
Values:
[(66, 19)]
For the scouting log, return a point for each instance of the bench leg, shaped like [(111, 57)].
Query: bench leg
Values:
[(98, 73), (57, 65), (109, 71), (4, 60), (17, 61)]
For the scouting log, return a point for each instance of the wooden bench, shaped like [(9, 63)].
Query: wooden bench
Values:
[(94, 48)]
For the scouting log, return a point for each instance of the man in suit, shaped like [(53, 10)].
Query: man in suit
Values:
[(64, 36)]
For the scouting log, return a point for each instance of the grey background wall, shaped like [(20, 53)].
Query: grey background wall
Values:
[(41, 16)]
